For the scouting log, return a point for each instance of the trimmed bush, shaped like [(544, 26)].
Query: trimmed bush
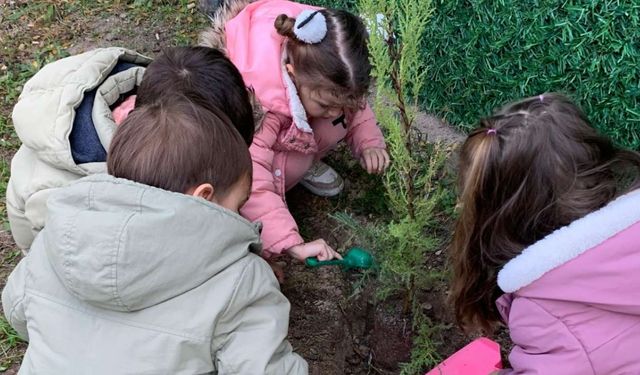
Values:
[(349, 5), (484, 53)]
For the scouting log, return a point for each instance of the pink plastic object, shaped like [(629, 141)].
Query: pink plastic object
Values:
[(480, 357)]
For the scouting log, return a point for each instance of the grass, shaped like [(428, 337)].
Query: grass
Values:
[(4, 179), (11, 345), (181, 14), (336, 4)]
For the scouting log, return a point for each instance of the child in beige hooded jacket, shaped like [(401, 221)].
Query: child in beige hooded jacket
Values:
[(150, 270)]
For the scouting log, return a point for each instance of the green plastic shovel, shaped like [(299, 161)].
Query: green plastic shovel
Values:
[(354, 258)]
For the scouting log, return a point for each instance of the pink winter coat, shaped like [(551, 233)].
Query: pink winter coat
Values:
[(573, 302), (257, 50)]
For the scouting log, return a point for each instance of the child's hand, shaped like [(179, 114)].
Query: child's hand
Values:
[(374, 160), (317, 248)]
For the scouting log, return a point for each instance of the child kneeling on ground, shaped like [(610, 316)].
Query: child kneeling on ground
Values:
[(150, 269), (548, 240), (309, 68)]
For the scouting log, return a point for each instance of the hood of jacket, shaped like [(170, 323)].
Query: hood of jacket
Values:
[(125, 246), (258, 51), (594, 261), (44, 114)]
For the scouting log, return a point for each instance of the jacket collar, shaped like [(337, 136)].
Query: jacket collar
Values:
[(569, 242), (298, 114)]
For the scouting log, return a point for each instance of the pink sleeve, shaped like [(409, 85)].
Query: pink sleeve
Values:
[(542, 343), (121, 112), (363, 132), (279, 229)]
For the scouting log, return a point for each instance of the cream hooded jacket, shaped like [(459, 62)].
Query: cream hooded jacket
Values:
[(131, 279)]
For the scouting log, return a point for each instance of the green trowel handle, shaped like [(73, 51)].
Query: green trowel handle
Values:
[(314, 262)]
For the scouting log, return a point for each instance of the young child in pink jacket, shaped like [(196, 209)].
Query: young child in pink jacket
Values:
[(550, 228), (310, 71)]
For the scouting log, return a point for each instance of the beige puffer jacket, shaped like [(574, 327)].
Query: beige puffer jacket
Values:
[(43, 119)]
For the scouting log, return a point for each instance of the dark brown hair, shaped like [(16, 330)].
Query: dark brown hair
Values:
[(339, 63), (206, 77), (535, 166), (175, 144)]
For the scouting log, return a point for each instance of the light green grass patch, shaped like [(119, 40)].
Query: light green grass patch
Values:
[(183, 15), (10, 342)]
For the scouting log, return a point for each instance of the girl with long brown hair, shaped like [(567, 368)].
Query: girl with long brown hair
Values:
[(548, 240)]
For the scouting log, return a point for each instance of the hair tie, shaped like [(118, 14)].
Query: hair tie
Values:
[(310, 26), (491, 131)]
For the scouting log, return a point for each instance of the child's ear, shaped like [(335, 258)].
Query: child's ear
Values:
[(203, 191), (290, 70)]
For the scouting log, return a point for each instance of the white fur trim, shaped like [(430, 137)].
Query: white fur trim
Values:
[(296, 108), (569, 242), (314, 30)]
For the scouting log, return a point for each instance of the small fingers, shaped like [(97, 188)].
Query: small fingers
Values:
[(322, 249), (363, 162), (324, 254), (332, 254), (337, 254), (367, 160), (376, 163), (387, 159), (304, 251), (381, 162), (373, 163)]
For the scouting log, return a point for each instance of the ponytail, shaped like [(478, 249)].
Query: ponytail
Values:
[(474, 279), (284, 26)]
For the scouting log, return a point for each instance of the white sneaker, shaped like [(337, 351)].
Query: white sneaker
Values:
[(322, 180)]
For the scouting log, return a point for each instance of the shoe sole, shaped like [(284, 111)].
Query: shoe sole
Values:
[(323, 192)]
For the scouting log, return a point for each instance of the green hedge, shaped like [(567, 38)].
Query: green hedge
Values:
[(483, 53), (350, 5)]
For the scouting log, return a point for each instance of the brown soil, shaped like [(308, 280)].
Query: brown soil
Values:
[(391, 335), (328, 325), (372, 339)]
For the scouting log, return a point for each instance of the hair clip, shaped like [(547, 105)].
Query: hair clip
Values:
[(491, 131), (541, 97), (306, 20), (310, 26)]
